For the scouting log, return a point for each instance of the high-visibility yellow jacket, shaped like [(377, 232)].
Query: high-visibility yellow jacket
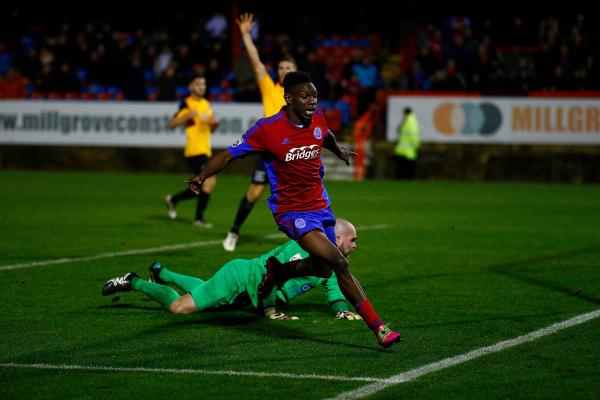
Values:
[(409, 138)]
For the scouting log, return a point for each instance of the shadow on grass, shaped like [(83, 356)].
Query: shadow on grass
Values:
[(516, 270), (247, 320), (259, 326), (122, 306)]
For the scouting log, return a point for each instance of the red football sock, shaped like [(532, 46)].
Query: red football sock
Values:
[(368, 314)]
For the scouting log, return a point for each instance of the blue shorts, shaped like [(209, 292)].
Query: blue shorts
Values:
[(296, 224)]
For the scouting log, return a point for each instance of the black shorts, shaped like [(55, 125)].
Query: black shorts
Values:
[(196, 163), (259, 176)]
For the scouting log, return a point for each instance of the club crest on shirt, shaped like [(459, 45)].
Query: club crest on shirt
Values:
[(300, 223), (318, 133), (305, 288), (238, 142)]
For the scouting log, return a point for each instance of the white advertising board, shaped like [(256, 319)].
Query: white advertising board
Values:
[(500, 120), (114, 124)]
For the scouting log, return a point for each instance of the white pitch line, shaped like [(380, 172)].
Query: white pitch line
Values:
[(452, 361), (170, 247), (191, 372)]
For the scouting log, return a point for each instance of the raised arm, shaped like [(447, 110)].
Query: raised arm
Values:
[(214, 166), (331, 144), (246, 22)]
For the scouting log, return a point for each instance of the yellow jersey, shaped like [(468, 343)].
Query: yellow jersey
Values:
[(272, 96), (198, 134)]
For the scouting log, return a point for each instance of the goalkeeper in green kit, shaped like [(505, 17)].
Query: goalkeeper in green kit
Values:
[(235, 284)]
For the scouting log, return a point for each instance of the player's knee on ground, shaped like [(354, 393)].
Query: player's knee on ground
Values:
[(183, 305)]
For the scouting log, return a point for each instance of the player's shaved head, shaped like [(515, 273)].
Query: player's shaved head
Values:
[(345, 236), (342, 226)]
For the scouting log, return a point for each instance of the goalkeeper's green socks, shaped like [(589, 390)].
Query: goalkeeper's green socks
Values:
[(160, 293), (184, 282)]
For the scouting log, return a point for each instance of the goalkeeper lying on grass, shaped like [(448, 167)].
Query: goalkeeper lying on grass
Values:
[(235, 284)]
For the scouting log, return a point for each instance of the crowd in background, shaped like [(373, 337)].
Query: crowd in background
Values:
[(537, 54), (101, 60)]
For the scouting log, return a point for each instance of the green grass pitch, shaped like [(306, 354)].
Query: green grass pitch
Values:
[(452, 266)]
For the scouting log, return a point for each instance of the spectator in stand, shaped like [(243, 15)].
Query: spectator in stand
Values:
[(29, 63), (13, 85), (367, 73), (6, 59), (184, 62), (100, 53), (135, 86), (66, 79), (334, 74), (426, 61), (166, 84), (524, 80), (246, 89), (216, 25), (455, 81), (163, 60), (417, 77), (499, 82), (47, 80)]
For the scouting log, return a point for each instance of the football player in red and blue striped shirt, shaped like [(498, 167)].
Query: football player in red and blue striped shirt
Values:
[(291, 142)]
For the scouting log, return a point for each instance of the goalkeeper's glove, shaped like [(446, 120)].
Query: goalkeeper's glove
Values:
[(347, 315), (272, 313)]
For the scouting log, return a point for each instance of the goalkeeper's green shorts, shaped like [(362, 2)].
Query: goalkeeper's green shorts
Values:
[(230, 281)]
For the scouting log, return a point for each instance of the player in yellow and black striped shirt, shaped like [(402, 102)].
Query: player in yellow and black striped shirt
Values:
[(272, 99), (195, 115)]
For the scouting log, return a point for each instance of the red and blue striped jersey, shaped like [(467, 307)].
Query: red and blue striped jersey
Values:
[(292, 159)]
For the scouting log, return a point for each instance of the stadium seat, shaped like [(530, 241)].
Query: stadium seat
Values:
[(88, 96), (29, 89), (37, 95), (81, 74), (181, 92), (215, 91), (104, 96), (96, 89), (72, 96), (55, 96), (113, 90), (149, 75), (226, 96), (151, 93), (345, 108)]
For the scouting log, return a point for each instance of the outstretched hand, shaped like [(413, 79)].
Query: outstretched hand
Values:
[(272, 313), (348, 315), (346, 155), (245, 22)]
